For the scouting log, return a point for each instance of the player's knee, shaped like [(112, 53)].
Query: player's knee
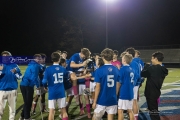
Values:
[(73, 77), (98, 116), (129, 111)]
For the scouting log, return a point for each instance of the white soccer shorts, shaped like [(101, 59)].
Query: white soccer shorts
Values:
[(69, 92), (102, 109), (92, 86), (125, 104), (81, 89), (60, 102), (135, 90), (40, 91)]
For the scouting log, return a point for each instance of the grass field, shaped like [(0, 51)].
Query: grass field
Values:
[(174, 76)]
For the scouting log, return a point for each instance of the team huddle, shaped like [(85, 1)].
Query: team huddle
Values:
[(107, 85)]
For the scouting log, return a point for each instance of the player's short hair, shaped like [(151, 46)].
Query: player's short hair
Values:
[(116, 52), (107, 54), (43, 55), (62, 61), (85, 52), (36, 56), (138, 52), (6, 52), (131, 51), (64, 52), (159, 55), (128, 58), (94, 54), (100, 62), (58, 51), (122, 54), (55, 57)]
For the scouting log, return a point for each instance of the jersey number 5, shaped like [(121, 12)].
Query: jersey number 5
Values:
[(110, 80), (58, 78)]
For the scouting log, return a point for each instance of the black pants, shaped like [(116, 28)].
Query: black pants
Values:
[(27, 93), (153, 108)]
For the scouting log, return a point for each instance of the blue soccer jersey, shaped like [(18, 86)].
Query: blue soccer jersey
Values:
[(137, 72), (76, 59), (107, 76), (127, 83), (54, 76), (140, 62)]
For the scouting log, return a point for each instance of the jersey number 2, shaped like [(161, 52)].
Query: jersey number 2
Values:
[(110, 80), (58, 78)]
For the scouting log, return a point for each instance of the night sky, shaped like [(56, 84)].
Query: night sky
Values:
[(33, 26)]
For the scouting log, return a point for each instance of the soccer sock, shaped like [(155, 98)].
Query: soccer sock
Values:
[(75, 89), (136, 116), (34, 106), (158, 100), (81, 106), (43, 106), (88, 108), (66, 118)]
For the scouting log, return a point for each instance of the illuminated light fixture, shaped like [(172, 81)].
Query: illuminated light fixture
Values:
[(110, 1)]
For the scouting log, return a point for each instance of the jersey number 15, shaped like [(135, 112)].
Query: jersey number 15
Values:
[(58, 78)]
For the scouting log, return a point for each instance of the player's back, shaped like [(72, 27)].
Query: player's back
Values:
[(127, 83), (107, 76), (55, 75), (76, 59)]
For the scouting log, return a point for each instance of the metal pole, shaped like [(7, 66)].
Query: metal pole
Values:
[(106, 24)]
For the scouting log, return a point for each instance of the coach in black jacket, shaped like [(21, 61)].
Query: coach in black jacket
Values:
[(155, 75)]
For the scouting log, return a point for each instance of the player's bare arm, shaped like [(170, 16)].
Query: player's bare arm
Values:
[(117, 87), (97, 90)]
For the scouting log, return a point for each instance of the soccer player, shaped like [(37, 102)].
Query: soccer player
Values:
[(30, 78), (64, 55), (81, 83), (106, 78), (41, 92), (126, 83), (54, 77), (155, 75), (138, 59), (115, 62), (137, 80), (76, 62), (67, 86), (99, 63), (141, 64), (8, 86)]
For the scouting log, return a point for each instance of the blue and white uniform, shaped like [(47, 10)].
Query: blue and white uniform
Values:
[(126, 94), (137, 76), (54, 76), (107, 76)]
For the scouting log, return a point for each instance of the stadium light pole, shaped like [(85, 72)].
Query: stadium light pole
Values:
[(106, 24), (107, 1)]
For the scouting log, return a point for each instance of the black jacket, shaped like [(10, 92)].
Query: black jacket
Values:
[(155, 75)]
